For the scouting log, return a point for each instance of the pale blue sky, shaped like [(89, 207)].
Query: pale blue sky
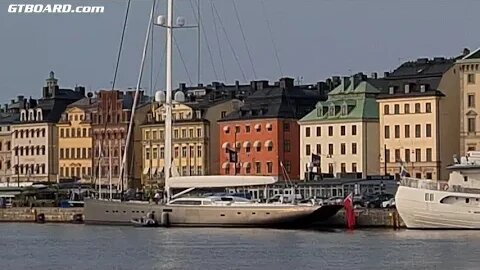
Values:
[(315, 39)]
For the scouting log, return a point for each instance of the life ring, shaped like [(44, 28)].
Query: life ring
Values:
[(445, 187)]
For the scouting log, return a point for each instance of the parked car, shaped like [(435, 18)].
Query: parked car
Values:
[(377, 201), (336, 200), (389, 204)]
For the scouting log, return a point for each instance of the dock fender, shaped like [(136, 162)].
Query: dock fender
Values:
[(40, 218)]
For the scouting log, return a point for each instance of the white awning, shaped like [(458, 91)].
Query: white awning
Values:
[(257, 144), (225, 165), (257, 126), (206, 181), (226, 145), (146, 170), (269, 125), (154, 171), (246, 164), (246, 144), (268, 143), (239, 144), (226, 128)]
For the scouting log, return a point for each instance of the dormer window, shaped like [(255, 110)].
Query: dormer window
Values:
[(319, 111), (344, 109), (331, 110), (23, 115), (199, 114), (31, 115)]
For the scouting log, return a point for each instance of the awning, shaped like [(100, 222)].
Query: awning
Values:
[(226, 128), (268, 143), (146, 170), (154, 171), (226, 145), (246, 144), (225, 165), (257, 144), (257, 126), (246, 164), (269, 125)]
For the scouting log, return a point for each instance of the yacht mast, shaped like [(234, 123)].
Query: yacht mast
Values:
[(168, 99)]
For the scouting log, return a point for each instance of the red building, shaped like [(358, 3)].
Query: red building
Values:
[(264, 131)]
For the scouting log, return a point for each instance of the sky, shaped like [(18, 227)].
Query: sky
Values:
[(314, 40)]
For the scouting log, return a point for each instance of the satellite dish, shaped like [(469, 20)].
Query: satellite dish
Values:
[(179, 96), (160, 96), (180, 21)]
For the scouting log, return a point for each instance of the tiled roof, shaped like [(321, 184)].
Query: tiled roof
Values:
[(422, 67), (473, 55)]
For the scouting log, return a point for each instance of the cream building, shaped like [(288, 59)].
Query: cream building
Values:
[(343, 131), (75, 141), (6, 172), (419, 119), (469, 69), (195, 138)]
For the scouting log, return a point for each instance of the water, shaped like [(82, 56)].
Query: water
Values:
[(55, 246)]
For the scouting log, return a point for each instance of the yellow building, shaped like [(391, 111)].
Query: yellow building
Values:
[(75, 141), (195, 138), (419, 119), (469, 69)]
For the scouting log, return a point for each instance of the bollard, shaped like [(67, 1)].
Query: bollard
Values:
[(165, 219)]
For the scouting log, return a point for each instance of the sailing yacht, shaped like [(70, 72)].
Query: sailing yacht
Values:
[(223, 211), (452, 204)]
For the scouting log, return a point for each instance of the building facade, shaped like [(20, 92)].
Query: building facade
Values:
[(343, 131), (264, 131), (75, 143), (6, 172), (468, 67), (34, 135), (419, 119)]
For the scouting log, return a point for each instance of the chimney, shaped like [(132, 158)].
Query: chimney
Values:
[(286, 83), (253, 85), (20, 98), (353, 81), (422, 60), (12, 101), (200, 85), (80, 89), (386, 74), (374, 75), (322, 88), (438, 59), (343, 83), (6, 106), (262, 85), (406, 87), (182, 86), (466, 51)]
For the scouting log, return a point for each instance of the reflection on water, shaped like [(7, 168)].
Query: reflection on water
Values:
[(50, 246)]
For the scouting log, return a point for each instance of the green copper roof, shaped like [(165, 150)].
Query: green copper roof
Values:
[(345, 103)]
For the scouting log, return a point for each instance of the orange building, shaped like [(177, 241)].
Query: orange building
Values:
[(264, 131)]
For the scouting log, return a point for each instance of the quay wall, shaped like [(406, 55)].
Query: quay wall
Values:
[(50, 214), (368, 218)]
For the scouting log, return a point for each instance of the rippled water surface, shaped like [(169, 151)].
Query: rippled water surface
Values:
[(53, 246)]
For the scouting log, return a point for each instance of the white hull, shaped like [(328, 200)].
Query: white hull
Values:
[(434, 209)]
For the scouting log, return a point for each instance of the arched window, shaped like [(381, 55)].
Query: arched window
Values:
[(38, 132), (23, 114), (43, 149), (43, 132), (32, 133), (21, 134), (31, 115), (39, 115)]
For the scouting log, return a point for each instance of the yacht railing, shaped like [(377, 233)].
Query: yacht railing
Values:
[(436, 185)]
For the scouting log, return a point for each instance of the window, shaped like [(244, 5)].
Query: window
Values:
[(471, 124), (176, 152), (67, 132), (387, 155), (62, 133), (406, 108), (417, 107), (397, 131), (397, 155), (62, 153), (199, 132), (288, 166), (307, 132), (269, 167), (248, 170), (175, 133), (286, 127), (319, 131), (184, 133), (330, 131), (84, 132), (471, 78), (342, 149), (237, 129), (396, 109), (343, 167), (387, 132), (319, 149), (147, 153), (471, 101), (78, 152), (342, 130), (428, 107), (192, 151), (429, 176), (407, 131), (67, 153), (269, 127), (258, 167), (227, 170), (429, 154), (354, 167), (354, 130), (330, 149), (407, 155), (330, 168), (247, 129), (223, 114), (418, 131), (307, 149), (354, 148), (428, 130), (199, 151), (287, 145), (386, 109), (418, 155), (184, 151), (162, 152)]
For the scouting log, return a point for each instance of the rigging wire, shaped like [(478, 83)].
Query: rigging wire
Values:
[(244, 39), (229, 42), (265, 15), (218, 42), (183, 61), (200, 24)]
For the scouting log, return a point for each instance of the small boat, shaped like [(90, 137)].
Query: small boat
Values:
[(144, 222)]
